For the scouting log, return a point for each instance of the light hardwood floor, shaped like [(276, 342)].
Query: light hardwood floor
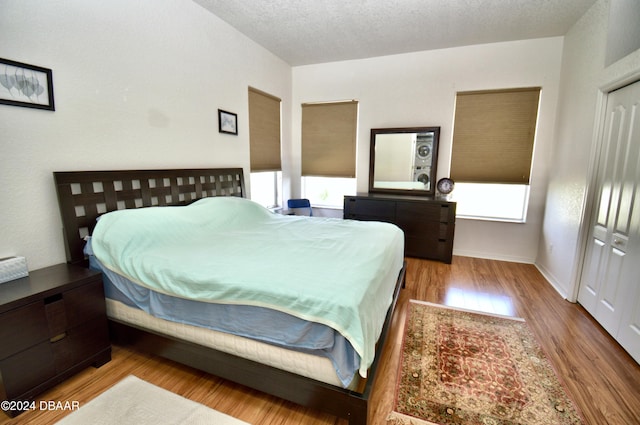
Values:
[(601, 377)]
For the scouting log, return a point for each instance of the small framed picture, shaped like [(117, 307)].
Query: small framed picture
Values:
[(26, 85), (227, 122)]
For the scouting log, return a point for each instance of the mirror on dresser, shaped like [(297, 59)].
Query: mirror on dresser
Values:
[(403, 160)]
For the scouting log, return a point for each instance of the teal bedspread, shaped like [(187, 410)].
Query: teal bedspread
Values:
[(233, 251)]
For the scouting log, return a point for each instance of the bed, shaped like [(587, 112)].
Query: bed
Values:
[(86, 196)]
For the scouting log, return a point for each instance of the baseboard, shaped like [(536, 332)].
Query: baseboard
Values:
[(553, 281), (548, 276), (483, 255)]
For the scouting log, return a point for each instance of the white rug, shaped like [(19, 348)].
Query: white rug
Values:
[(134, 401)]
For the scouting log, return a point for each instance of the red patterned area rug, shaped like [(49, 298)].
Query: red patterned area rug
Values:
[(462, 367)]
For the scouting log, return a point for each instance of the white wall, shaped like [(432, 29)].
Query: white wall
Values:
[(623, 38), (137, 85), (584, 79), (418, 89)]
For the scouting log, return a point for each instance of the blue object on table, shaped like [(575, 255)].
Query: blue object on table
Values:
[(299, 203)]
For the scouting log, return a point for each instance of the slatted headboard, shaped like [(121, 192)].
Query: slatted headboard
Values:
[(85, 195)]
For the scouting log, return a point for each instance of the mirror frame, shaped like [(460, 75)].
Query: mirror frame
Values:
[(434, 160)]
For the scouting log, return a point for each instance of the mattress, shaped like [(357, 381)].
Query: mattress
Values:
[(305, 364)]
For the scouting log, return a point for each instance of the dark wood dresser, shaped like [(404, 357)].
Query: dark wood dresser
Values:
[(53, 323), (428, 224)]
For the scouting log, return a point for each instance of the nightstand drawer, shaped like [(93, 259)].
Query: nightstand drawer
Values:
[(74, 307), (21, 328), (27, 369), (84, 303), (80, 342)]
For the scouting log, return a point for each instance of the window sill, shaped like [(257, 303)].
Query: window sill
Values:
[(496, 219), (327, 207)]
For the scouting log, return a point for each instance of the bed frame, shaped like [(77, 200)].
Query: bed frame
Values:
[(84, 195)]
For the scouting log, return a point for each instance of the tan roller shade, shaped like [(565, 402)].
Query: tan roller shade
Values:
[(264, 131), (493, 135), (329, 139)]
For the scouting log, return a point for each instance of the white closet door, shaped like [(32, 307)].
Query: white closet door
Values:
[(611, 273), (629, 332)]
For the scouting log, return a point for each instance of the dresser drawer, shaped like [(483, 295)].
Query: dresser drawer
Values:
[(414, 212), (431, 248), (365, 209), (421, 227), (448, 214), (21, 328)]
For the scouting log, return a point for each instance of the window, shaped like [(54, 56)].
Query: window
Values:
[(327, 191), (265, 188), (500, 202), (493, 139), (329, 133), (264, 148)]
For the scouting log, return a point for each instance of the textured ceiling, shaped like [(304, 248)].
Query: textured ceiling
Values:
[(304, 32)]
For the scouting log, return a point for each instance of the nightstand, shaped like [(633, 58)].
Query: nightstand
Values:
[(53, 324)]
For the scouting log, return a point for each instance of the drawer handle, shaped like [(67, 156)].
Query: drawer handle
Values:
[(58, 337), (53, 298)]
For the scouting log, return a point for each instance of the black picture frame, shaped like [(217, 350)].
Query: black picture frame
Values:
[(227, 122), (26, 85)]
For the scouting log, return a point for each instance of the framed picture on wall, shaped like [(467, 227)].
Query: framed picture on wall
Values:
[(26, 85), (227, 122)]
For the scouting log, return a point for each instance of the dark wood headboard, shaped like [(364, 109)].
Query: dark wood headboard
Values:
[(85, 195)]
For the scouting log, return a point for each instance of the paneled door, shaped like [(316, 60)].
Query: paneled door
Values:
[(610, 283)]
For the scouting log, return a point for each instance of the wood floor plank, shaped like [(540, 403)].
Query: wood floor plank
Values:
[(601, 377)]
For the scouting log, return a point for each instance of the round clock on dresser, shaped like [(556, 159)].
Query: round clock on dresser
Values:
[(445, 185)]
